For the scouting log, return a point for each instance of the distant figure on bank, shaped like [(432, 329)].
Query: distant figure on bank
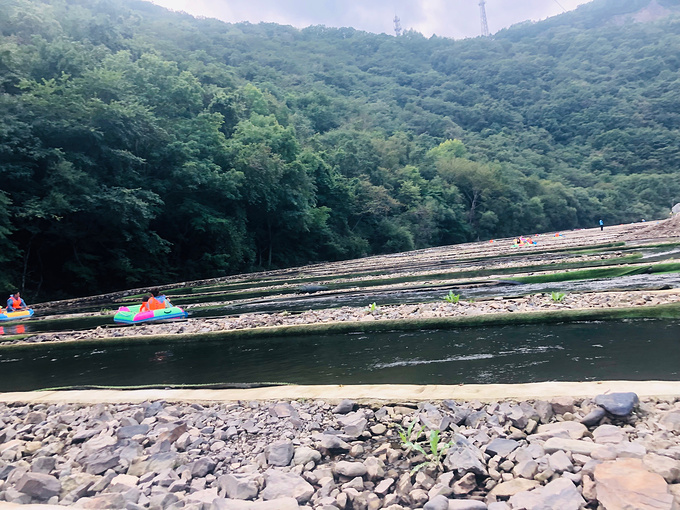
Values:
[(155, 301), (601, 225), (15, 302)]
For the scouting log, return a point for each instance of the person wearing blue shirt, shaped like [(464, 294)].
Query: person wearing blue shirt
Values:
[(15, 302), (601, 225)]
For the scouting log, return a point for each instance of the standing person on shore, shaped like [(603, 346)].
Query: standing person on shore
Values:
[(601, 225), (15, 302)]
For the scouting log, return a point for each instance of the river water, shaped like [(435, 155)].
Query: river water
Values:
[(582, 351)]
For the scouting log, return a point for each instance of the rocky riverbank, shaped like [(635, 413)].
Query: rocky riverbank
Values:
[(527, 304), (611, 452)]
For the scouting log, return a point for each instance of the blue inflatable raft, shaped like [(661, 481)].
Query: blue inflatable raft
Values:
[(16, 315)]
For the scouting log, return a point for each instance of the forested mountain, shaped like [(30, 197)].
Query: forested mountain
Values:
[(142, 146)]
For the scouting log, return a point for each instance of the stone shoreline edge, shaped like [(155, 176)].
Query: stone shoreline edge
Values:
[(363, 394)]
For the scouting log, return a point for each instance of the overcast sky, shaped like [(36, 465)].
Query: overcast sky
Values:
[(449, 18)]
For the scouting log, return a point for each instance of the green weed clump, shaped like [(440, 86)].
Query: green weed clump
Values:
[(437, 448), (373, 308), (451, 297), (557, 297)]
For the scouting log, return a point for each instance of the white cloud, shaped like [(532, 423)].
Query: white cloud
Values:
[(448, 18)]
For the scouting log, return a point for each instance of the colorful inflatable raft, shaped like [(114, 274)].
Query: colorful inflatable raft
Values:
[(132, 315), (16, 315)]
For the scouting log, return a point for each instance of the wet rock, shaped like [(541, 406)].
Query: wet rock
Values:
[(617, 404)]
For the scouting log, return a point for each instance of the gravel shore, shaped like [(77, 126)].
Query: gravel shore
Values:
[(611, 451)]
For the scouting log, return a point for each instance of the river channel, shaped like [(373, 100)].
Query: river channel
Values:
[(582, 351)]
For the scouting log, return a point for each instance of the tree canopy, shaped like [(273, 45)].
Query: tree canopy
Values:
[(140, 146)]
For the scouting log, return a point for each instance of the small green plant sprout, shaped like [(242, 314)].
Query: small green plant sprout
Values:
[(406, 436), (437, 450), (451, 297), (409, 441), (372, 308), (557, 297)]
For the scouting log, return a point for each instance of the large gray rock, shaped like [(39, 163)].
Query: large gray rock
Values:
[(157, 463), (618, 404), (279, 453), (202, 467), (671, 421), (354, 424), (463, 457), (560, 493), (437, 503), (349, 469), (39, 486), (333, 443), (132, 430), (512, 487), (664, 466), (344, 407), (286, 485), (502, 447), (114, 501), (609, 434), (570, 445), (43, 464), (305, 454), (625, 483), (102, 460), (594, 417), (238, 486)]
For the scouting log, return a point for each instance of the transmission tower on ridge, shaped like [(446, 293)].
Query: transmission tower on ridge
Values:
[(482, 15), (397, 25)]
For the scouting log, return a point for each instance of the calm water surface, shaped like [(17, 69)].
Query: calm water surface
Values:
[(633, 350)]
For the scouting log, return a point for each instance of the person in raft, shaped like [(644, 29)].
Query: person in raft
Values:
[(155, 301), (15, 302)]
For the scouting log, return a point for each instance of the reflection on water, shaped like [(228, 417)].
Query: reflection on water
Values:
[(18, 329), (633, 350)]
